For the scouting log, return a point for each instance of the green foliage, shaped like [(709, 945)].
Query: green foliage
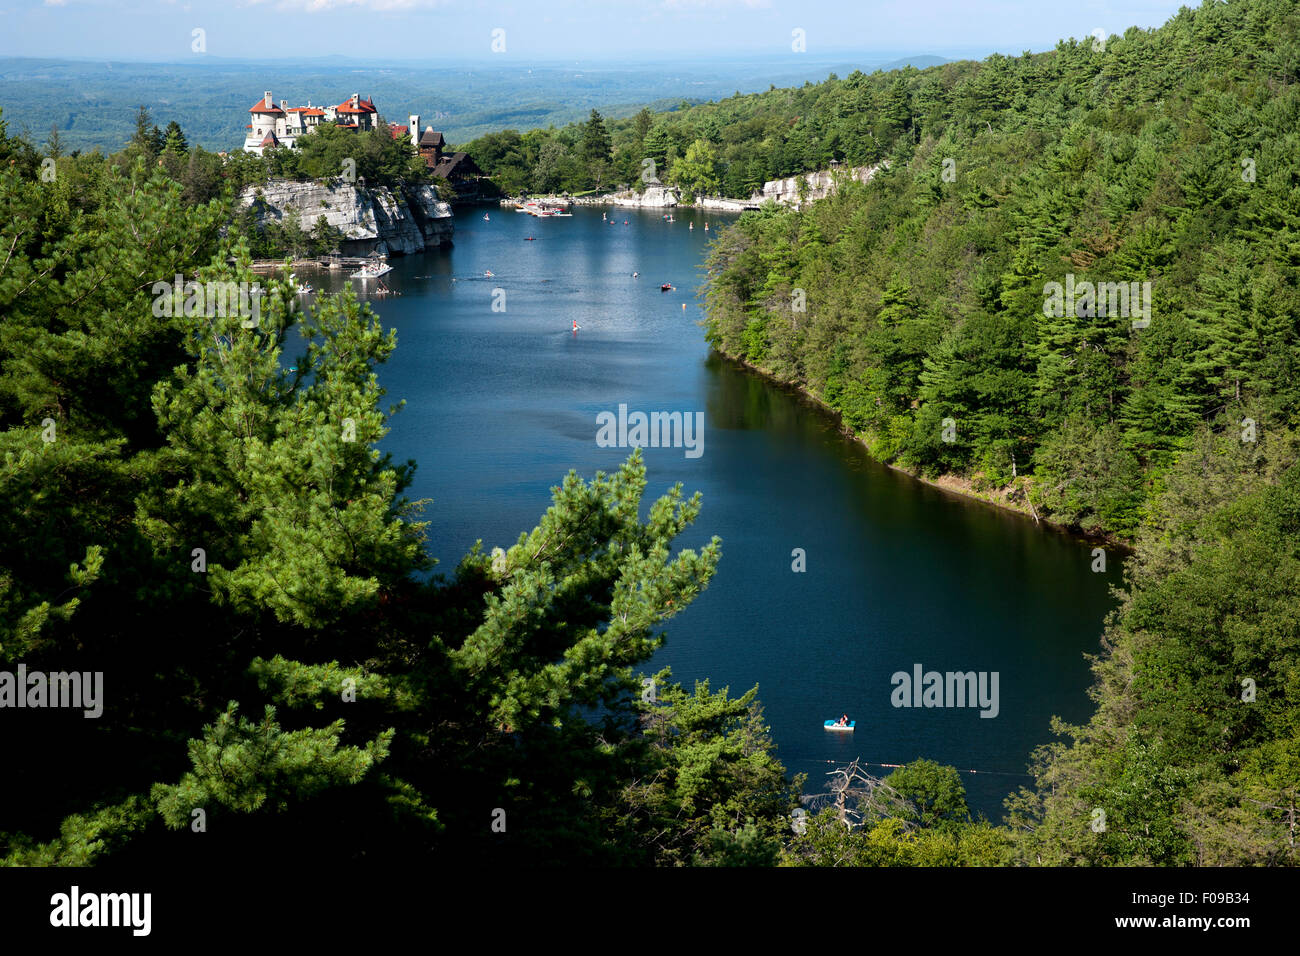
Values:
[(245, 767), (1191, 755), (374, 154), (696, 172), (711, 791), (928, 287)]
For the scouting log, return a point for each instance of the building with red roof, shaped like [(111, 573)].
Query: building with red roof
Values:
[(279, 125)]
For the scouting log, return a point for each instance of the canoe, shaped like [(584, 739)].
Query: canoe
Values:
[(834, 725)]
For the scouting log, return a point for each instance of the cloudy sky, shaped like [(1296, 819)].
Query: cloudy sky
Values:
[(434, 31)]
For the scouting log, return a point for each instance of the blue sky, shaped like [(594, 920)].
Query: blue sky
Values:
[(442, 31)]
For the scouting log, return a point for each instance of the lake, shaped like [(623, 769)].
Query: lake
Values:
[(502, 404)]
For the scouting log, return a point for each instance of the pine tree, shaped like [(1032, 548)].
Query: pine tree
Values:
[(174, 139)]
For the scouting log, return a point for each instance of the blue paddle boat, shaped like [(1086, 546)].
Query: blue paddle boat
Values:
[(836, 725)]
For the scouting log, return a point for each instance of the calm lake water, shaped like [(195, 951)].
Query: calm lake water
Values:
[(502, 404)]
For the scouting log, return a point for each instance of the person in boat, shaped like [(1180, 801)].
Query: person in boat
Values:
[(844, 720)]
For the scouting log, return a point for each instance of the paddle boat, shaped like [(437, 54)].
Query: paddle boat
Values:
[(836, 725), (666, 288)]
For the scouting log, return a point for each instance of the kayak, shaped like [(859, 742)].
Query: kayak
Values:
[(834, 725)]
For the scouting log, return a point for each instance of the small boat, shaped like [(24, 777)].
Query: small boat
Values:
[(489, 274), (372, 270), (666, 288), (305, 289), (486, 217), (530, 238), (836, 725), (692, 226), (575, 325)]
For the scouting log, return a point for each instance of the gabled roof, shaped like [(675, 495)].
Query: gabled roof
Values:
[(270, 140), (363, 106), (262, 106), (432, 138), (455, 164), (399, 132)]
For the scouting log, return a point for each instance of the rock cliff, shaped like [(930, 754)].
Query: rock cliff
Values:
[(371, 218), (814, 185)]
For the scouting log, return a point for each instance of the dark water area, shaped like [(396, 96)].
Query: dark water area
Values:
[(502, 404)]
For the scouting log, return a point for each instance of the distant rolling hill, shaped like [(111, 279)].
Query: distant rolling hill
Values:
[(94, 103)]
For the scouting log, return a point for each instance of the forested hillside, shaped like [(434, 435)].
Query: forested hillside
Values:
[(943, 311), (729, 147), (1169, 157)]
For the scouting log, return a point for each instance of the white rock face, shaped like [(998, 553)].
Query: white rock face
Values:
[(724, 205), (654, 197), (371, 218), (816, 185)]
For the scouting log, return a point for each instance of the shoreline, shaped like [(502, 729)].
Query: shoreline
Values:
[(950, 484)]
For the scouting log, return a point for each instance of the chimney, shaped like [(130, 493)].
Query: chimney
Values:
[(414, 121), (356, 99), (266, 98), (284, 105)]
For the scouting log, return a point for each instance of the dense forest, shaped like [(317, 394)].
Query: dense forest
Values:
[(943, 311), (729, 147), (196, 506)]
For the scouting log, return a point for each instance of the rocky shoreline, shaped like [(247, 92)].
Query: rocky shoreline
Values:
[(791, 191)]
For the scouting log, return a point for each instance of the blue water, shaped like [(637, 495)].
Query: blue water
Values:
[(501, 404)]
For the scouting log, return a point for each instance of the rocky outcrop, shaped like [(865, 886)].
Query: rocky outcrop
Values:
[(797, 190), (654, 197), (725, 205), (371, 218)]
